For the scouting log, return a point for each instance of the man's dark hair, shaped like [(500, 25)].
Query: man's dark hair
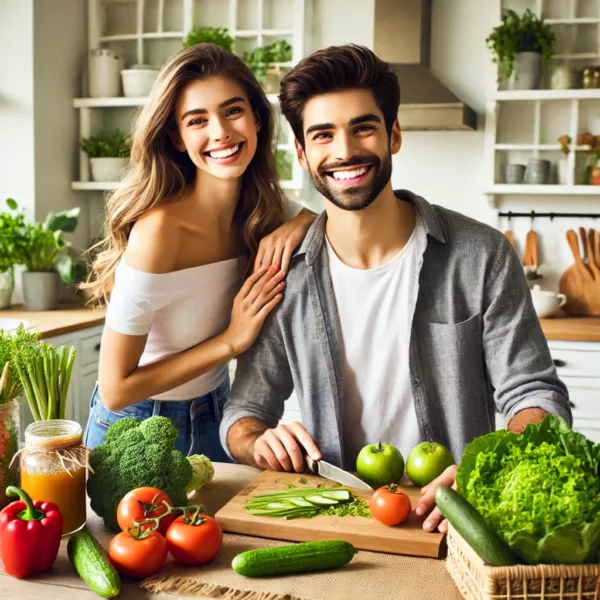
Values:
[(335, 69)]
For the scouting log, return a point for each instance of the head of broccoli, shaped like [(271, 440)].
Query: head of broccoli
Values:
[(136, 454)]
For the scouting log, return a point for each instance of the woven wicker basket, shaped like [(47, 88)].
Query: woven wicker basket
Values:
[(477, 581)]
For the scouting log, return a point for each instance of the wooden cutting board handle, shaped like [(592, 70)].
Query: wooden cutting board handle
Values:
[(596, 245), (530, 258), (574, 245)]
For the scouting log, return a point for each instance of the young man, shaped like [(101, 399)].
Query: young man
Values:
[(402, 321)]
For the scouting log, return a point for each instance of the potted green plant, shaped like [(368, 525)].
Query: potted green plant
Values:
[(265, 63), (108, 153), (519, 45), (10, 390), (213, 35), (12, 245), (44, 247)]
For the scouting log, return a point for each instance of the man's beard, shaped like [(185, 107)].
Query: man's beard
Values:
[(360, 196)]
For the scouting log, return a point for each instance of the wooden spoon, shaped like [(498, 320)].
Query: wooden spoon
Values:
[(589, 253), (530, 258), (596, 245)]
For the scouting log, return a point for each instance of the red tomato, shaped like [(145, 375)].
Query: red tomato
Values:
[(194, 544), (141, 504), (138, 558), (390, 505)]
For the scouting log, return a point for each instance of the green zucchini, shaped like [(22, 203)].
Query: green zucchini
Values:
[(473, 529), (305, 556), (92, 564)]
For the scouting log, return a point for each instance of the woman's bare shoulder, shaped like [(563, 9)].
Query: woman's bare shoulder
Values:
[(153, 244)]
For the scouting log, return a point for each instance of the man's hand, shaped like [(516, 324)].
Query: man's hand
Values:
[(525, 417), (284, 447), (426, 505)]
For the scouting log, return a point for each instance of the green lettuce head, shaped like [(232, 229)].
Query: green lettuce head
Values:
[(540, 491)]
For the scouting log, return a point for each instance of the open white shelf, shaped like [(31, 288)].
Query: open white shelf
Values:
[(180, 17), (542, 147), (573, 21), (516, 95), (545, 190), (109, 102)]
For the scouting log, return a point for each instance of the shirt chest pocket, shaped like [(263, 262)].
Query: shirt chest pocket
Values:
[(454, 355)]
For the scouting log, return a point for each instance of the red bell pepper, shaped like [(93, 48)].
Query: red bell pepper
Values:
[(30, 534)]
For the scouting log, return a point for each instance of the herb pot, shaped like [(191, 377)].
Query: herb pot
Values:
[(40, 290), (7, 286), (527, 73), (9, 443), (563, 77), (107, 169)]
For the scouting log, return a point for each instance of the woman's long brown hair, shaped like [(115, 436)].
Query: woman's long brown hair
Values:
[(158, 171)]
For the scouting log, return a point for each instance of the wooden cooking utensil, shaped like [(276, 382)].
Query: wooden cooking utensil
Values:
[(595, 244), (511, 238), (3, 377), (530, 258), (589, 252), (578, 284)]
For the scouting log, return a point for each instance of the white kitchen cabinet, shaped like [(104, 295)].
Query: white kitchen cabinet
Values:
[(83, 376)]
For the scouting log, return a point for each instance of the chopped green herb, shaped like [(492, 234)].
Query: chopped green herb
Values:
[(303, 480), (290, 486), (354, 508), (320, 485)]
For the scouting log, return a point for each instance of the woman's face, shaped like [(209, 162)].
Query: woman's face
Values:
[(216, 127)]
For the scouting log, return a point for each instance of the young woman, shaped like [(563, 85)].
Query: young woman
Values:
[(200, 208)]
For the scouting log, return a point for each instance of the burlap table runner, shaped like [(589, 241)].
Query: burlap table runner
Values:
[(368, 575)]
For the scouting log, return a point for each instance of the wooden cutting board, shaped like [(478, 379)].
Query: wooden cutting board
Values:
[(363, 533)]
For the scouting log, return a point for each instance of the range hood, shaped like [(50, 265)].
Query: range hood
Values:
[(402, 34)]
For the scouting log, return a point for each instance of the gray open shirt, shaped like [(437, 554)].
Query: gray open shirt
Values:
[(476, 342)]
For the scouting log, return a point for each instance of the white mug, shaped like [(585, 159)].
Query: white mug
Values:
[(546, 303)]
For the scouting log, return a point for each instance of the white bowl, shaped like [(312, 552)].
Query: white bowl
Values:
[(546, 303), (138, 80)]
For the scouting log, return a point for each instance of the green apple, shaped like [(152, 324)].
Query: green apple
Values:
[(427, 461), (380, 464)]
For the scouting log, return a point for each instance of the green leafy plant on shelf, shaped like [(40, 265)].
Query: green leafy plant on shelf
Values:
[(13, 241), (114, 144), (519, 33), (213, 35), (42, 247), (262, 58)]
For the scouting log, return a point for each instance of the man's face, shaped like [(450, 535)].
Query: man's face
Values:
[(347, 149)]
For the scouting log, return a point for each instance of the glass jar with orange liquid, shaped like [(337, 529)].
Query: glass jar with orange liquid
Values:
[(53, 468)]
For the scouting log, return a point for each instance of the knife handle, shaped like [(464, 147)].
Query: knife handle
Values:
[(313, 465)]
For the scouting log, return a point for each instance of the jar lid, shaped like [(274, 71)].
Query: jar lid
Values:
[(53, 434)]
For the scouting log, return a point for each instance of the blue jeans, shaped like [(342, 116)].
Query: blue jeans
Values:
[(197, 421)]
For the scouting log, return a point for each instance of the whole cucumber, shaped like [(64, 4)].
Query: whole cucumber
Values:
[(473, 529), (92, 564), (305, 556)]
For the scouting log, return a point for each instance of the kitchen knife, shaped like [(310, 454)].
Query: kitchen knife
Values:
[(329, 471)]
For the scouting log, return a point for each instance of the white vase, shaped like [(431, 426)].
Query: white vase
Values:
[(7, 286), (108, 169), (104, 69), (562, 170), (527, 72)]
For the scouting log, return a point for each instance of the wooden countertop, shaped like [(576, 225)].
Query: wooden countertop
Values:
[(63, 583), (50, 323), (572, 329)]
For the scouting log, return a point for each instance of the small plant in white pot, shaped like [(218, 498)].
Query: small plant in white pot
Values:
[(109, 155), (46, 248), (12, 248), (265, 63), (519, 45)]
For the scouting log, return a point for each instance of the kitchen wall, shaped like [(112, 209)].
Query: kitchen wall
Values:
[(43, 45)]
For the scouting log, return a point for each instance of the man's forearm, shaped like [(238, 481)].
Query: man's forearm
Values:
[(241, 438), (525, 417)]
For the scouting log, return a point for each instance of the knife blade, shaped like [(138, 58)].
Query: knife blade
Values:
[(329, 471)]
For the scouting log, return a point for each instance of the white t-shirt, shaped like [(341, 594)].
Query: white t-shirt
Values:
[(178, 310), (375, 308)]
